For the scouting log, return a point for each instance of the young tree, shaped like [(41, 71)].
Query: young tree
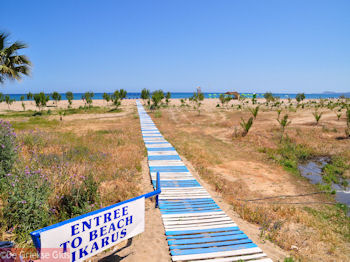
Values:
[(300, 97), (254, 99), (197, 98), (29, 96), (116, 98), (254, 111), (224, 99), (87, 98), (317, 116), (269, 97), (9, 101), (122, 94), (145, 95), (41, 99), (23, 105), (106, 97), (246, 125), (157, 97), (167, 98), (56, 96), (283, 123), (70, 97), (1, 97), (12, 65)]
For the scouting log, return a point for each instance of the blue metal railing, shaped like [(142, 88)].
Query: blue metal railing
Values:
[(36, 234)]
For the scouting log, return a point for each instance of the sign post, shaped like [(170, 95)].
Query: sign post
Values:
[(87, 235)]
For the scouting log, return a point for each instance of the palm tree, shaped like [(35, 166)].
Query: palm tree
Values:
[(12, 65)]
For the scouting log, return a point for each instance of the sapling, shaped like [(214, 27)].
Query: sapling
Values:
[(145, 95), (106, 97), (29, 96), (254, 111), (23, 105), (9, 101), (269, 97), (70, 97), (300, 97), (56, 96), (87, 98), (157, 97), (197, 98), (283, 123), (167, 98), (224, 99), (317, 116), (40, 100), (254, 99), (338, 115), (246, 125), (116, 99)]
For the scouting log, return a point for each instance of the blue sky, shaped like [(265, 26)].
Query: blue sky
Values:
[(248, 46)]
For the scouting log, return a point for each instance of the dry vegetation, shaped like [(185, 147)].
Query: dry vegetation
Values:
[(245, 168), (87, 162)]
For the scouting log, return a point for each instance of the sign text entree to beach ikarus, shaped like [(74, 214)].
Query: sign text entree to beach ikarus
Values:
[(88, 235)]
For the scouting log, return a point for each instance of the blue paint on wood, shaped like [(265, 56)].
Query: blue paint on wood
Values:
[(164, 157), (206, 239), (161, 149), (217, 244), (168, 169), (211, 250)]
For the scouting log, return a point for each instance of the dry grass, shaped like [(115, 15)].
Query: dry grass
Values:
[(236, 168), (110, 150)]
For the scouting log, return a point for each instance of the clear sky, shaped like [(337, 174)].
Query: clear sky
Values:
[(249, 46)]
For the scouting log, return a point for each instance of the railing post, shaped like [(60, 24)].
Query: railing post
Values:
[(157, 188)]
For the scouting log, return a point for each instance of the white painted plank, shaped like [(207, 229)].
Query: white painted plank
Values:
[(232, 258)]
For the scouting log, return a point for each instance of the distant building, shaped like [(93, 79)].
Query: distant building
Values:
[(235, 95)]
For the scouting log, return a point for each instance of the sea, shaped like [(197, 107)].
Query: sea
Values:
[(137, 95)]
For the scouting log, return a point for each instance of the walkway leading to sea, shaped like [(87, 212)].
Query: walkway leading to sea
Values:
[(196, 228)]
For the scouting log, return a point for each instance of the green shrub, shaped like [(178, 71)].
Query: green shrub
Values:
[(269, 97), (157, 97), (82, 198), (246, 125), (27, 193), (8, 147)]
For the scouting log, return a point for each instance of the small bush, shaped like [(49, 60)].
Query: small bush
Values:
[(8, 148), (82, 198), (246, 125), (27, 193)]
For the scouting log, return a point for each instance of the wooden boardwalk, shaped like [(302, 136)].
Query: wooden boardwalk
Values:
[(196, 228)]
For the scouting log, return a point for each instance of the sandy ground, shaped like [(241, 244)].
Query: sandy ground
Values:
[(207, 104), (148, 246)]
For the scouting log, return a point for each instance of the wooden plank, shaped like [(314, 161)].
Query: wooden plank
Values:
[(203, 231), (217, 254), (237, 258), (206, 240), (242, 240), (196, 251), (224, 233)]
